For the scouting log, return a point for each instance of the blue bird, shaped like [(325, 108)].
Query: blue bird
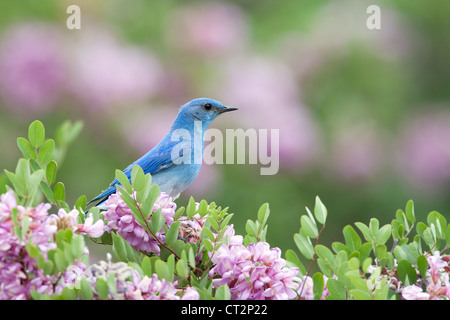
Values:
[(175, 161)]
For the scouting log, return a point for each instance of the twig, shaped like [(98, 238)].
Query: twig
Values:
[(311, 264)]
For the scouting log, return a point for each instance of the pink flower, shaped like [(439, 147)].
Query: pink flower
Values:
[(68, 220), (145, 288), (73, 273), (424, 156), (435, 265), (7, 203), (106, 73), (190, 294), (94, 230), (19, 273), (414, 293), (120, 219), (209, 29), (356, 153), (256, 272), (32, 70)]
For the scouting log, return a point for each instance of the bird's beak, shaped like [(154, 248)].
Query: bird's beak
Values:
[(227, 109)]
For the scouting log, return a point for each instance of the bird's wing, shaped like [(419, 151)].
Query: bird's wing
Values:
[(156, 160)]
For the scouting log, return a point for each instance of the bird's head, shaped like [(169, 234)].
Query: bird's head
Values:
[(204, 109)]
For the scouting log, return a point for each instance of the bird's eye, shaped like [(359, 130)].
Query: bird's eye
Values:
[(207, 106)]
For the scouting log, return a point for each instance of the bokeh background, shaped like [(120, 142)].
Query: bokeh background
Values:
[(364, 115)]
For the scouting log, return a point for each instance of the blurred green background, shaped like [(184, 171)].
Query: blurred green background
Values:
[(364, 115)]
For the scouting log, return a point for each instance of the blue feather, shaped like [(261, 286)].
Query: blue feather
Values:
[(174, 178)]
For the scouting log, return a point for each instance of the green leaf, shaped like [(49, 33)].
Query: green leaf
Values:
[(86, 292), (171, 265), (68, 294), (336, 289), (324, 253), (202, 208), (223, 293), (309, 226), (24, 225), (190, 208), (32, 250), (157, 221), (149, 202), (28, 151), (46, 150), (397, 229), (401, 217), (112, 283), (409, 212), (364, 230), (292, 257), (179, 212), (263, 214), (406, 272), (182, 268), (60, 261), (119, 247), (318, 285), (146, 266), (123, 180), (250, 228), (33, 184), (447, 235), (304, 245), (137, 178), (172, 233), (102, 288), (208, 245), (422, 265), (320, 211), (191, 257), (437, 219), (374, 225), (208, 233), (162, 270), (366, 264), (3, 183), (380, 251), (225, 221), (59, 192), (48, 193), (360, 294), (213, 222), (352, 240), (420, 228), (383, 234), (50, 172), (36, 133), (81, 203)]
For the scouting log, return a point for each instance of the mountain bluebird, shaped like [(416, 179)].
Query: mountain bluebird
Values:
[(175, 161)]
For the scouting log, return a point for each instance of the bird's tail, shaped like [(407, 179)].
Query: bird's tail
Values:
[(102, 197)]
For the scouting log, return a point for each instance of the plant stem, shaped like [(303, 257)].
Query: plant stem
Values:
[(312, 262)]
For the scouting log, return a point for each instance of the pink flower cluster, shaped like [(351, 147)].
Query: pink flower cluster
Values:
[(19, 273), (255, 272), (437, 281), (120, 219), (152, 288)]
